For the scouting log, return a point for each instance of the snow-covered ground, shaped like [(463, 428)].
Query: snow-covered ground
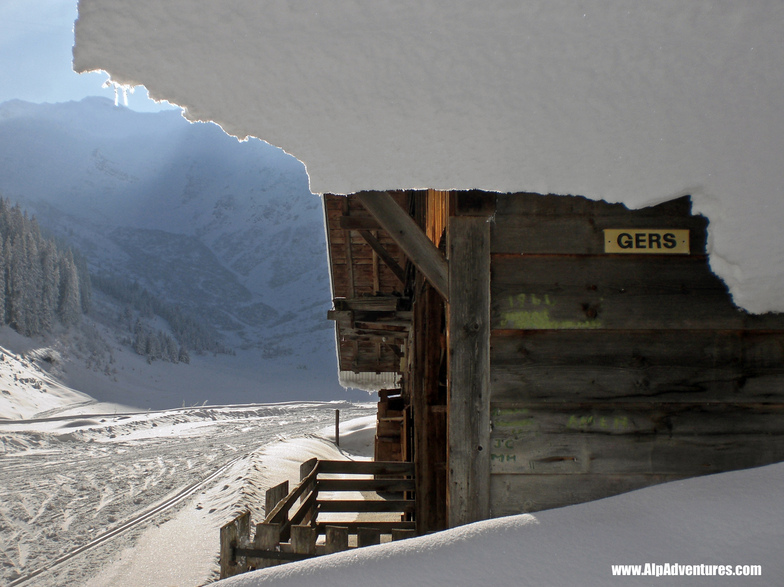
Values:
[(138, 498)]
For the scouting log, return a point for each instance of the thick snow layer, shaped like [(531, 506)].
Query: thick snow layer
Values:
[(729, 519), (619, 100)]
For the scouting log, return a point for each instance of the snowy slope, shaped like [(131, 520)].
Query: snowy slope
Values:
[(626, 101)]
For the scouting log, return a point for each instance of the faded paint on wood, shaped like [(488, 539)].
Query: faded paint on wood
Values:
[(596, 292), (611, 373)]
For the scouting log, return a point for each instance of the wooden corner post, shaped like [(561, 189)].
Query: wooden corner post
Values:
[(468, 488)]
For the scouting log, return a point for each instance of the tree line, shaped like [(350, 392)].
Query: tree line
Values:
[(42, 281), (141, 305)]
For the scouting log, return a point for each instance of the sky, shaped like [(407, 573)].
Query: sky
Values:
[(36, 40)]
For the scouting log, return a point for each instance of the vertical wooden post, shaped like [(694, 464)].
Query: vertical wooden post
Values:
[(337, 539), (469, 368), (267, 538), (368, 537), (274, 495), (306, 468), (402, 533), (337, 427), (228, 542), (303, 539), (429, 425), (243, 527)]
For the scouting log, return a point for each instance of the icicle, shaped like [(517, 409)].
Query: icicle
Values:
[(126, 89)]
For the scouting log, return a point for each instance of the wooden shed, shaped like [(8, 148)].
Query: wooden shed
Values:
[(548, 350)]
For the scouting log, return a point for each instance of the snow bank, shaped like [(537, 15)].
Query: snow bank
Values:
[(25, 389), (619, 100), (192, 534), (729, 519)]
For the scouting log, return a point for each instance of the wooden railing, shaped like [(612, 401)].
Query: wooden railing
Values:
[(297, 519)]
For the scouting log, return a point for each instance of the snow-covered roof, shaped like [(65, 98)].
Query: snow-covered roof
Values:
[(616, 100)]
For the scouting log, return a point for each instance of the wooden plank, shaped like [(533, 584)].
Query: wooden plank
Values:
[(336, 539), (409, 237), (516, 494), (637, 366), (382, 253), (267, 538), (366, 468), (621, 292), (592, 453), (274, 495), (651, 419), (383, 303), (279, 514), (583, 235), (228, 542), (469, 368), (365, 505), (430, 430), (303, 539), (401, 534), (368, 537), (307, 509), (356, 222), (353, 525)]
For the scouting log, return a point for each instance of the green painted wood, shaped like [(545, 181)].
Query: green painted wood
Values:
[(611, 292)]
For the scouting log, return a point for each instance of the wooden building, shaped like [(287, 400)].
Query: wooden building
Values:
[(548, 350)]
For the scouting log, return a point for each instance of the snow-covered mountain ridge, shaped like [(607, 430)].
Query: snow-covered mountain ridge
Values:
[(227, 231)]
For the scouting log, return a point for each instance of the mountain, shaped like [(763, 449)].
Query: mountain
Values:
[(227, 232)]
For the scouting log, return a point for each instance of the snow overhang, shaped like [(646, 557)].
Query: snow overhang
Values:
[(622, 101)]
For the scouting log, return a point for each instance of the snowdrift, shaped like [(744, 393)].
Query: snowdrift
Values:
[(724, 520)]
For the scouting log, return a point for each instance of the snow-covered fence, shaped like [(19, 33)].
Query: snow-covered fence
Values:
[(297, 520)]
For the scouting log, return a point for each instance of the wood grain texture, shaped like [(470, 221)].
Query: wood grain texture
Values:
[(516, 494), (638, 366), (469, 362)]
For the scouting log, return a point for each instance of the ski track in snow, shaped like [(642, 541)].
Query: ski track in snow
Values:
[(65, 482)]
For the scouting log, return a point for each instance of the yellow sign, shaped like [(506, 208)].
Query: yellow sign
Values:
[(651, 241)]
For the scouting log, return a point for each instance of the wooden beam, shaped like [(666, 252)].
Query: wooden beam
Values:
[(409, 237), (469, 451), (358, 223), (384, 255)]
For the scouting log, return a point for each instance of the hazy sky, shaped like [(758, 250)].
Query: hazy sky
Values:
[(36, 40)]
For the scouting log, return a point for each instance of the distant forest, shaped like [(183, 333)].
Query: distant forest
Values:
[(190, 333), (42, 281)]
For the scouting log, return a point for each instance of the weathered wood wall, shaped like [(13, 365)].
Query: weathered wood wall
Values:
[(613, 372), (366, 289)]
